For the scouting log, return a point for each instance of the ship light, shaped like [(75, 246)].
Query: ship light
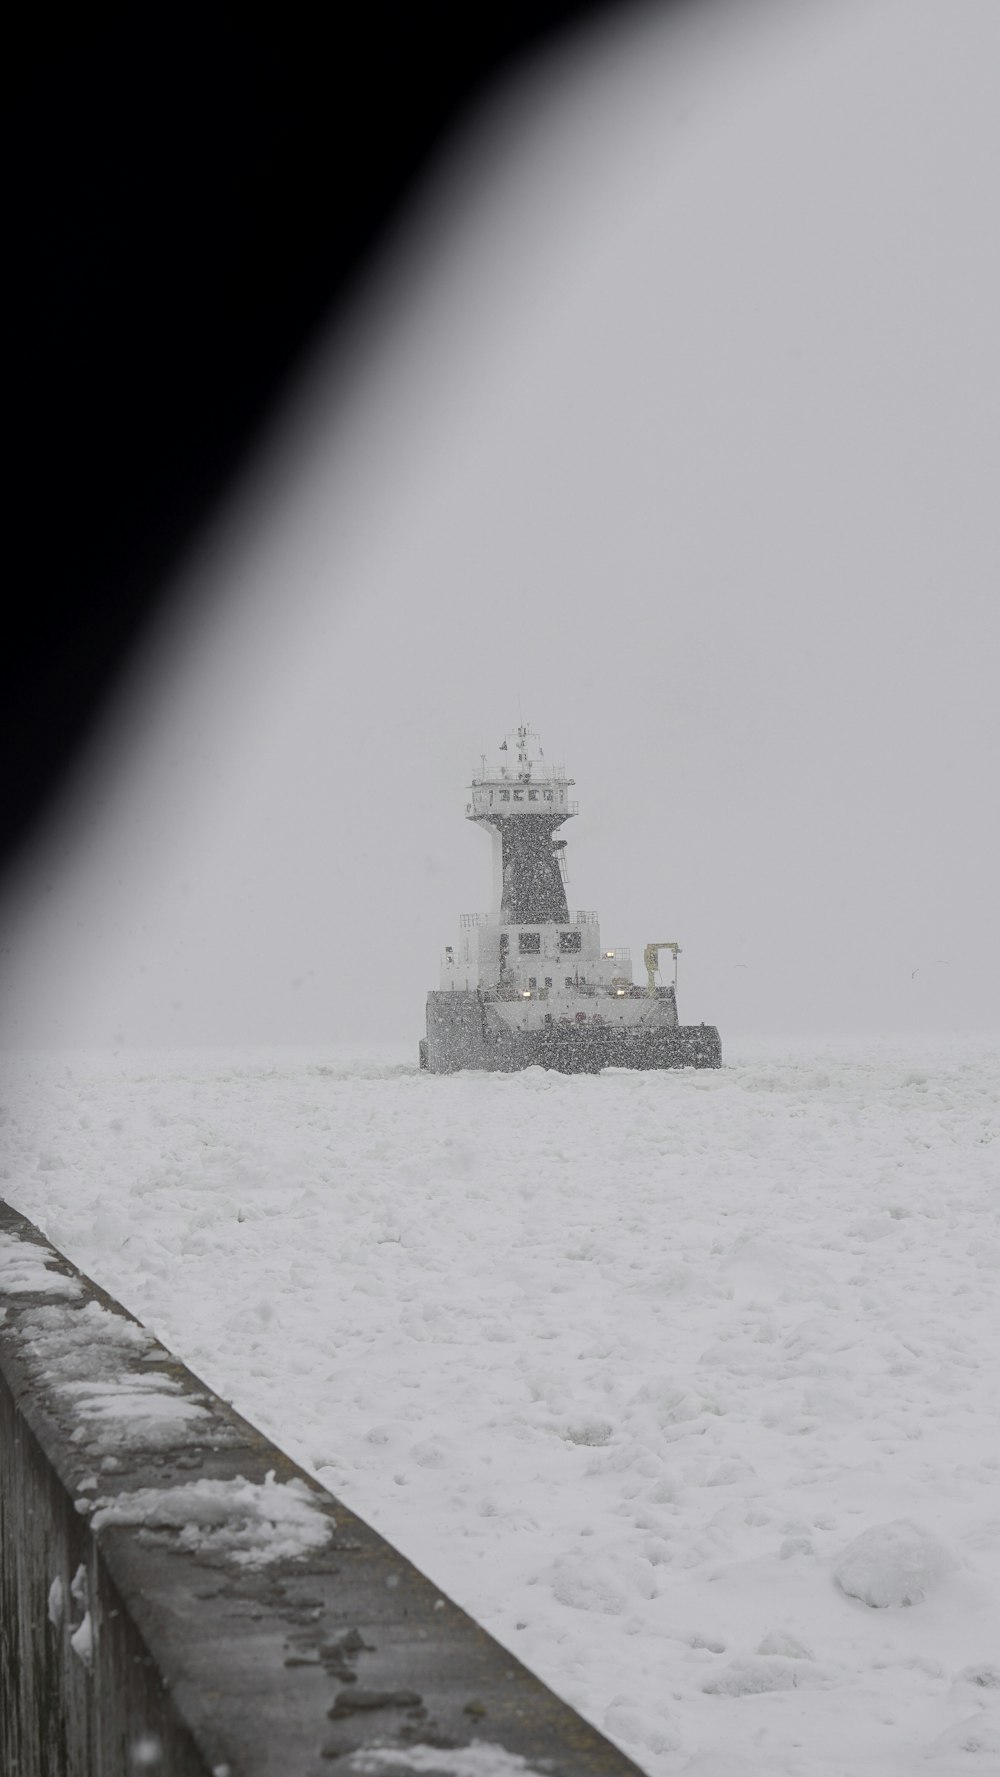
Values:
[(526, 993), (619, 993), (610, 955)]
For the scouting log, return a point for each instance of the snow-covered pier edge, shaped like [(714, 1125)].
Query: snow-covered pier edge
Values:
[(177, 1596)]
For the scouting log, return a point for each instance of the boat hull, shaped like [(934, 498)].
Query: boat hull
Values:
[(464, 1031)]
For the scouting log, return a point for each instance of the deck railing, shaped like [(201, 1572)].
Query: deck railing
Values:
[(582, 917), (552, 775)]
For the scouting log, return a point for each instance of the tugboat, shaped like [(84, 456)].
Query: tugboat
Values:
[(530, 984)]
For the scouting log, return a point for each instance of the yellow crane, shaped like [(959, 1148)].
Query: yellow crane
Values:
[(651, 958)]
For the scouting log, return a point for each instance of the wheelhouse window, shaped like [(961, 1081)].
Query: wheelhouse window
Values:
[(569, 942), (529, 943)]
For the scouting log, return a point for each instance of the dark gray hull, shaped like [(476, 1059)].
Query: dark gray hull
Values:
[(465, 1031)]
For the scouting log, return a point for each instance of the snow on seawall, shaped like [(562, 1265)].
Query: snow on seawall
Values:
[(253, 1523)]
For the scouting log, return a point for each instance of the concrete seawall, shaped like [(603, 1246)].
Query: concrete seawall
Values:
[(178, 1599)]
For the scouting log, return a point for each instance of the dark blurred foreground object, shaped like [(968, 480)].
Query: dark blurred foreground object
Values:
[(196, 188)]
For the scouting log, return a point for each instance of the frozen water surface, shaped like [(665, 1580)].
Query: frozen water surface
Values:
[(683, 1384)]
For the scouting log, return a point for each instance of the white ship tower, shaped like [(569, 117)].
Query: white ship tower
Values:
[(523, 803)]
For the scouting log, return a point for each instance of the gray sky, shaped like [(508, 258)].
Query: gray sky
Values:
[(672, 426)]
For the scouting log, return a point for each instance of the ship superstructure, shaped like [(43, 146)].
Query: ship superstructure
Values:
[(530, 982)]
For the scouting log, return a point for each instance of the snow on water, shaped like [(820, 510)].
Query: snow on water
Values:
[(682, 1383)]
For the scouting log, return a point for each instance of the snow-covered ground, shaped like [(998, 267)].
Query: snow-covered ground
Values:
[(682, 1383)]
